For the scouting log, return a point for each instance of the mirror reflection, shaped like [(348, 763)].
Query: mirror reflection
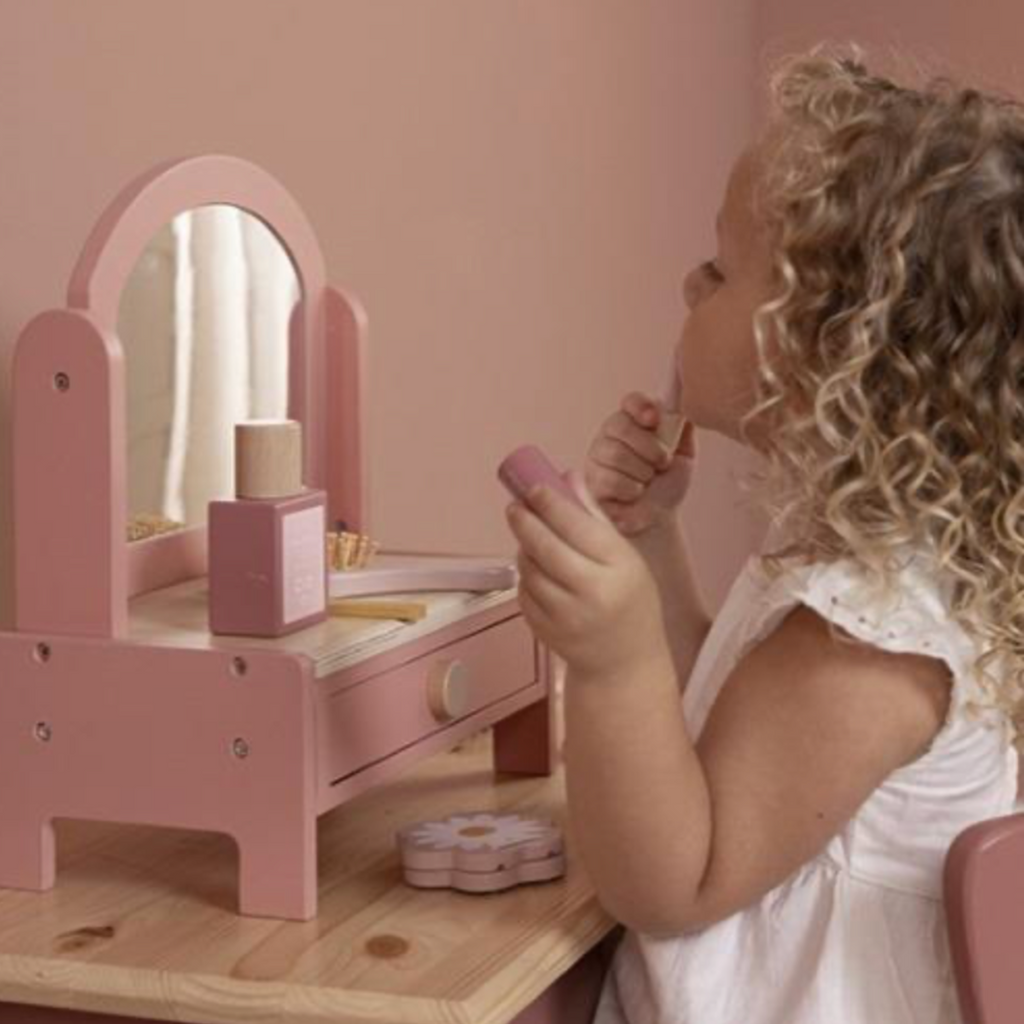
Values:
[(203, 322)]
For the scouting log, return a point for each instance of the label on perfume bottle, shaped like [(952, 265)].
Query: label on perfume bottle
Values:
[(302, 563)]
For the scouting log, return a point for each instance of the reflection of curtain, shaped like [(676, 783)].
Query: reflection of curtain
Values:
[(145, 326), (234, 292), (273, 291)]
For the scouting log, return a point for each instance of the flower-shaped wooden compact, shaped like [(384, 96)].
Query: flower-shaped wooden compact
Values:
[(480, 851)]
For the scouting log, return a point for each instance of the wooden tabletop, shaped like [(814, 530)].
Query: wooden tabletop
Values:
[(143, 921)]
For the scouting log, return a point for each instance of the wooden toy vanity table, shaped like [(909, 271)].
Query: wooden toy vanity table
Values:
[(116, 703), (142, 924)]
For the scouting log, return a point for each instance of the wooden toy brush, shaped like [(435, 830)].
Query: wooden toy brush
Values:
[(346, 551), (405, 611), (670, 426)]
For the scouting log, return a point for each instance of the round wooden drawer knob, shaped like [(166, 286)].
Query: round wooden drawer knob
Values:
[(448, 690)]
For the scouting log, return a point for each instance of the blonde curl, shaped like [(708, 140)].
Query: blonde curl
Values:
[(890, 396)]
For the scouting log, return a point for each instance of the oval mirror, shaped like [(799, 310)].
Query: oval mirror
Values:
[(204, 324)]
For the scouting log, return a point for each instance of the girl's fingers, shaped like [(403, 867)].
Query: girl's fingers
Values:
[(572, 529), (641, 409), (629, 520), (544, 592), (578, 485), (556, 557), (612, 485), (613, 453), (613, 507), (642, 441), (531, 608)]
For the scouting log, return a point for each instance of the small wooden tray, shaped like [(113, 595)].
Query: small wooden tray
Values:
[(479, 851), (393, 573)]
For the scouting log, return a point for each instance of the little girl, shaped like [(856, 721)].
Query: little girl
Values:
[(773, 840)]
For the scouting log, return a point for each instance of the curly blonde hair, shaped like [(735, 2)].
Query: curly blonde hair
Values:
[(890, 396)]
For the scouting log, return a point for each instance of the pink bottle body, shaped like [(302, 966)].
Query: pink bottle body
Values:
[(268, 564)]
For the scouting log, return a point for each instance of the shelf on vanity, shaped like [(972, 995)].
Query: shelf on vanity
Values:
[(177, 616)]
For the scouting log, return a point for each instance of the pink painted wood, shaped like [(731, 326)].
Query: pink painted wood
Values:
[(361, 724), (122, 232), (400, 761), (162, 736), (525, 742), (347, 469), (92, 726), (984, 897), (69, 477)]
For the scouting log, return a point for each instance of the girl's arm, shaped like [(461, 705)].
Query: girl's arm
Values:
[(677, 836), (665, 550)]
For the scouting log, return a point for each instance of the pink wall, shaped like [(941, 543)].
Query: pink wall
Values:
[(980, 41), (512, 189)]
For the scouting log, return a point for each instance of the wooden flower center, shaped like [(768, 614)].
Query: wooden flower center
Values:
[(476, 830)]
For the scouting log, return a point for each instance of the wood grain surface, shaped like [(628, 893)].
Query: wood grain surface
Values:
[(142, 920)]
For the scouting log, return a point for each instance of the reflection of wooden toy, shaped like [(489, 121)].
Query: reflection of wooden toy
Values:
[(479, 851), (150, 524), (347, 550)]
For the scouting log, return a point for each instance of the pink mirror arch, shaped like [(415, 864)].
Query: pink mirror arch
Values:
[(74, 569)]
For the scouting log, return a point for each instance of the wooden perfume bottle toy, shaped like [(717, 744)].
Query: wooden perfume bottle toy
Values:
[(117, 701), (268, 559)]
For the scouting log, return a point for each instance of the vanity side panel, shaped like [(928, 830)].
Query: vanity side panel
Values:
[(215, 741), (345, 337), (68, 469)]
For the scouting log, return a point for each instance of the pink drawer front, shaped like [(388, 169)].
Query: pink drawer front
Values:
[(384, 713)]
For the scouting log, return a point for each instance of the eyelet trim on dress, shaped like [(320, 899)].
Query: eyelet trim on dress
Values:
[(909, 625)]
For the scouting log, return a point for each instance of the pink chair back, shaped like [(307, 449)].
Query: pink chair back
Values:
[(984, 897)]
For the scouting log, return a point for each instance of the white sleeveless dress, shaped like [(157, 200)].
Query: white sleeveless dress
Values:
[(856, 935)]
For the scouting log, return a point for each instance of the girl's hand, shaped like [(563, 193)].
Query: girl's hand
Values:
[(585, 591), (631, 475)]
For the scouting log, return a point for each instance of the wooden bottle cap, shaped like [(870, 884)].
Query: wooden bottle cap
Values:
[(268, 458)]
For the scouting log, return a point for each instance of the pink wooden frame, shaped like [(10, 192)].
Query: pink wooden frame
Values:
[(69, 441), (225, 737), (984, 898)]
